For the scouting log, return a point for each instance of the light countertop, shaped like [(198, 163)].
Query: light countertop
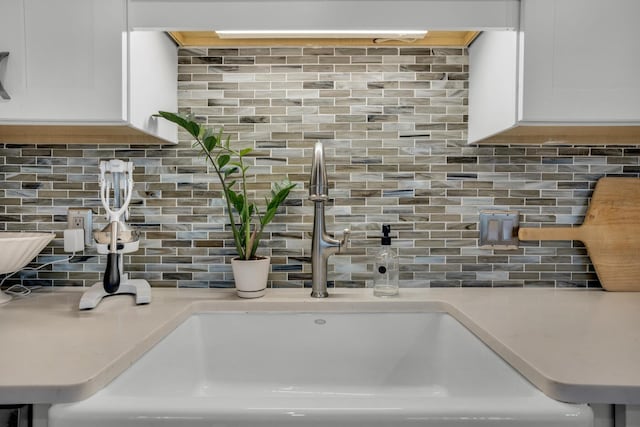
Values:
[(574, 345)]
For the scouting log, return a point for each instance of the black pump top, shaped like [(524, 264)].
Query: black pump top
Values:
[(386, 239)]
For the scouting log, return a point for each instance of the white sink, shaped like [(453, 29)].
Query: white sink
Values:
[(320, 369)]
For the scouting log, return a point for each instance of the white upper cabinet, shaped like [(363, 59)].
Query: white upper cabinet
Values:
[(70, 70), (11, 44), (569, 75), (65, 59), (326, 15)]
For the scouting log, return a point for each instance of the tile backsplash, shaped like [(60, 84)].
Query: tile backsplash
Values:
[(393, 121)]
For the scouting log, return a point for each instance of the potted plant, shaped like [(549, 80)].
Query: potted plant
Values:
[(246, 219)]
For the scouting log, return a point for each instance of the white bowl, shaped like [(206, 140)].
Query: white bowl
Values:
[(17, 249)]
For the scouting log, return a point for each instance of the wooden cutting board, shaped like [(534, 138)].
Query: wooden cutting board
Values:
[(610, 232)]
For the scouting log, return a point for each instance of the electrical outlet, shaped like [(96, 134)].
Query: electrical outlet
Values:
[(499, 229), (81, 218)]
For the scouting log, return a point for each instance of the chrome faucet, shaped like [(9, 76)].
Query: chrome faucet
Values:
[(322, 244)]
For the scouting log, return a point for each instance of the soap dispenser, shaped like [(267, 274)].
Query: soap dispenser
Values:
[(385, 279)]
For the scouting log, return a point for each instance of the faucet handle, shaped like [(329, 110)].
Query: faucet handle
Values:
[(346, 233)]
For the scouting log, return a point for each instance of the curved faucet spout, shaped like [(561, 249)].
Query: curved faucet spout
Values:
[(322, 244), (319, 183)]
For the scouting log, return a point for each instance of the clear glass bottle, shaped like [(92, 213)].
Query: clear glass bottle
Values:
[(385, 274)]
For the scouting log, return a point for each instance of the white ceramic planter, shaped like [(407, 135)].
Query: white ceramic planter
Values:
[(250, 276)]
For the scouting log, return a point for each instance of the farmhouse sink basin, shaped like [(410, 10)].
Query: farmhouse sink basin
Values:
[(320, 369)]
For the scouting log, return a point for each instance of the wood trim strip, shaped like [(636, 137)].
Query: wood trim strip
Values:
[(433, 39), (76, 134)]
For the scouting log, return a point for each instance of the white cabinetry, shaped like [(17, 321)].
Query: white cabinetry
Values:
[(568, 75), (71, 70), (65, 59), (11, 37), (335, 15)]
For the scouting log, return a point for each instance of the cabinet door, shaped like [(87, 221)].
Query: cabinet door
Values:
[(580, 61), (492, 83), (12, 42), (66, 60), (153, 80)]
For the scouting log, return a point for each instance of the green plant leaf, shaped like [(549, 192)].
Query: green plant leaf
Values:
[(193, 128), (236, 199), (245, 151), (268, 217), (189, 125), (230, 171), (210, 142), (223, 160), (241, 166), (172, 117), (278, 195)]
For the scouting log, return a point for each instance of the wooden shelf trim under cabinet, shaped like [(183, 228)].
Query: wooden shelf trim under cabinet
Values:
[(579, 134), (432, 38), (76, 134)]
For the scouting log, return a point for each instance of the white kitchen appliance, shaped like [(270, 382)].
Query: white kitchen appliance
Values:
[(117, 238)]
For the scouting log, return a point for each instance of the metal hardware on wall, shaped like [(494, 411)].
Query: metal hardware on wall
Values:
[(499, 229), (3, 92)]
